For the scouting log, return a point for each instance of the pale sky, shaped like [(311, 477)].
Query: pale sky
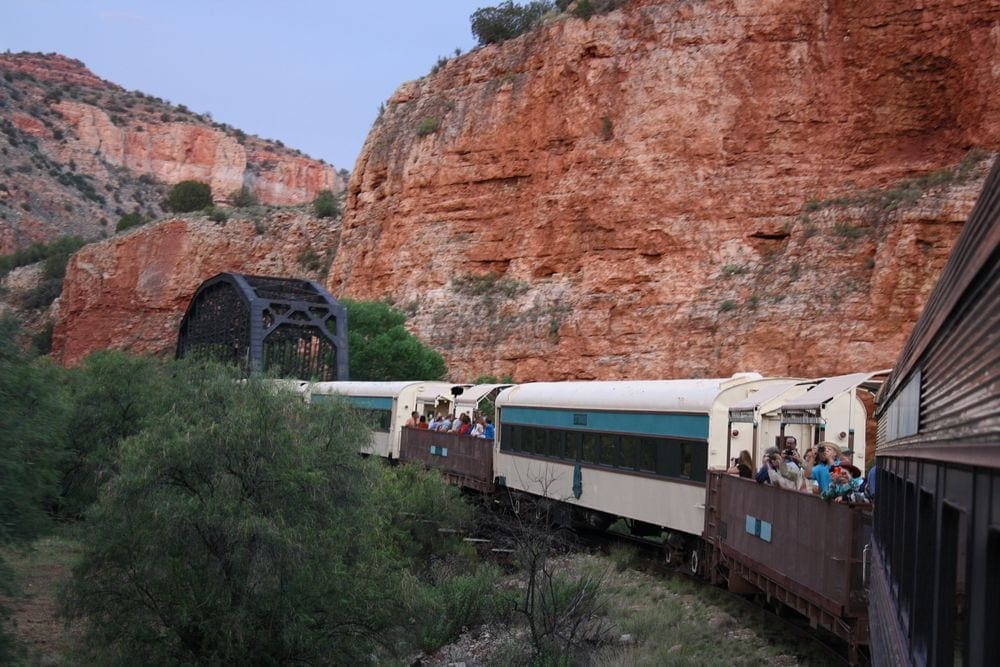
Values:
[(307, 72)]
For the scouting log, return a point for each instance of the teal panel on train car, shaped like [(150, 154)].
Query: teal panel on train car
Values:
[(640, 423), (369, 402)]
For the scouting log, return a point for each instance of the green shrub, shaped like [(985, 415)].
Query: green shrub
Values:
[(188, 196), (326, 205), (492, 25), (242, 198), (216, 214), (129, 220), (36, 252), (310, 260), (428, 125), (381, 348), (727, 305)]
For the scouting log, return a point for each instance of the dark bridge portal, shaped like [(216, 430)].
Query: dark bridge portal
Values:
[(281, 326)]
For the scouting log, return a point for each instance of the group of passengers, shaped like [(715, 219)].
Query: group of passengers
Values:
[(824, 470), (476, 426)]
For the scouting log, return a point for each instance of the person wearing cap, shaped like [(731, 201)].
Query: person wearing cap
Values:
[(847, 457)]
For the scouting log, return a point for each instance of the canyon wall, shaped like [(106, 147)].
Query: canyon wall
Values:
[(130, 292), (80, 152), (680, 189)]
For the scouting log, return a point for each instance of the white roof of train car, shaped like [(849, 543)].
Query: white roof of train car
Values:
[(639, 395), (348, 388)]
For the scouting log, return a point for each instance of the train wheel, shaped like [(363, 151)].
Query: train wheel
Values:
[(694, 563)]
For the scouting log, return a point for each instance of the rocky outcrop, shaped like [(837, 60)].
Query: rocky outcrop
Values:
[(81, 152), (680, 189), (130, 292)]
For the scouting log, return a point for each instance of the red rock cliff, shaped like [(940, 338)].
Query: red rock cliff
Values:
[(130, 292), (680, 189)]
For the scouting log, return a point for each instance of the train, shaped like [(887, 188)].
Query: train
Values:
[(908, 580), (933, 578)]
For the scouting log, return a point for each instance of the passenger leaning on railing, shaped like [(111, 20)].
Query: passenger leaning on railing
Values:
[(771, 462)]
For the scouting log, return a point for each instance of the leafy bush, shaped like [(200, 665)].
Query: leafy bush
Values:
[(381, 348), (326, 205), (129, 220), (42, 295), (492, 25), (239, 526), (36, 252), (428, 125), (216, 214), (32, 424), (189, 196), (242, 198)]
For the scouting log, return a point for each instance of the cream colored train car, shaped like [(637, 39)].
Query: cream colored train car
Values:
[(633, 450), (388, 405)]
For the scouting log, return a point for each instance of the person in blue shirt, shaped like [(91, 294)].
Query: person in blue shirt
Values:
[(489, 432), (827, 456)]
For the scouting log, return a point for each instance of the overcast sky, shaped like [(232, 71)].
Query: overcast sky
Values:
[(309, 73)]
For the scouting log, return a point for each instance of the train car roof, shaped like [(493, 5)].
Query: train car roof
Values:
[(635, 395), (348, 388), (829, 389), (764, 395)]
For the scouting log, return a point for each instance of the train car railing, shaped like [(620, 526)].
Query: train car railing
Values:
[(464, 460), (803, 551)]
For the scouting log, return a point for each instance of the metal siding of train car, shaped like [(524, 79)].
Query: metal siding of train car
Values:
[(937, 534), (464, 460), (813, 559)]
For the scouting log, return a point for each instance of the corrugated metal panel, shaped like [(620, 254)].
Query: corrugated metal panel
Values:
[(974, 254), (465, 460)]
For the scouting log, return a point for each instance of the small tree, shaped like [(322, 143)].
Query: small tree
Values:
[(326, 205), (492, 25), (129, 220), (189, 196), (242, 198), (381, 348)]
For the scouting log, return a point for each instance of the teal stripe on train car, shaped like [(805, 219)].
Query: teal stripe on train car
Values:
[(639, 423), (370, 402)]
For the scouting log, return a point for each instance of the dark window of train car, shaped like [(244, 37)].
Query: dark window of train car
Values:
[(943, 641), (378, 419), (531, 441), (573, 445), (923, 589), (648, 448), (687, 459), (609, 449), (557, 444), (906, 571), (628, 451), (991, 643), (588, 451), (669, 458), (510, 437)]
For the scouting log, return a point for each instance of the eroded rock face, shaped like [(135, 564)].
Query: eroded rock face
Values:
[(680, 189), (80, 152), (130, 292)]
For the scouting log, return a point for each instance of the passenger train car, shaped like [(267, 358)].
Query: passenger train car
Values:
[(934, 577)]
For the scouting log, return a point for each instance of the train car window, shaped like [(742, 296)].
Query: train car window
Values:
[(589, 448), (529, 441), (379, 420), (906, 569), (647, 454), (573, 439), (923, 594), (609, 449), (628, 451), (557, 444), (669, 458), (945, 649), (991, 651), (687, 459)]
